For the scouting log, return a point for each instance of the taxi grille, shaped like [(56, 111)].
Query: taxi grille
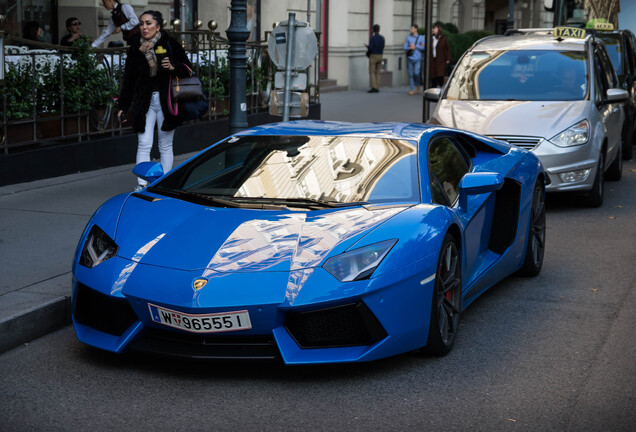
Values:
[(525, 142)]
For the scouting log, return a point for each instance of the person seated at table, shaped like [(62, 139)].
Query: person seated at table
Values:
[(73, 25)]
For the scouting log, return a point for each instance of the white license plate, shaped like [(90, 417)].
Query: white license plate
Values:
[(205, 323)]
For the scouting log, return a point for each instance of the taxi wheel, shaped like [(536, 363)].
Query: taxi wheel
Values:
[(628, 140), (594, 198), (615, 171), (447, 300)]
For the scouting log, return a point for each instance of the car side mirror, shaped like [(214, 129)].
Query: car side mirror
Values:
[(433, 94), (616, 95), (478, 183), (149, 171)]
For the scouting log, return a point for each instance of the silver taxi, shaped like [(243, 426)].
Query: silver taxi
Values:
[(551, 91)]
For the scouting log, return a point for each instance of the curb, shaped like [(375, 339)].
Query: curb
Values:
[(31, 324)]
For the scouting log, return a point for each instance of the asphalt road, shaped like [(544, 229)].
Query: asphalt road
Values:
[(551, 353)]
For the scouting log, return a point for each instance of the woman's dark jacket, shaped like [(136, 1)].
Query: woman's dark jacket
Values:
[(137, 87), (439, 63)]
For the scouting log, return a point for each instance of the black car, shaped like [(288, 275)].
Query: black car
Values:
[(621, 47)]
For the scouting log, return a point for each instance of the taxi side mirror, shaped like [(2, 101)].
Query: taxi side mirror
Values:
[(432, 94), (615, 95)]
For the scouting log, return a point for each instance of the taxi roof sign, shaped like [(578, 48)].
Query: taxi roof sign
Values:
[(604, 26), (569, 32)]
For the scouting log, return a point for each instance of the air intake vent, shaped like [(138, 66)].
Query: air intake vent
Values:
[(348, 325), (108, 314)]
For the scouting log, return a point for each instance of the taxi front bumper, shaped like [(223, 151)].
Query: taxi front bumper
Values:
[(569, 168)]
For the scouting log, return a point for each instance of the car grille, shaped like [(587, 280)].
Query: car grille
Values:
[(178, 344), (108, 314), (349, 325), (525, 142)]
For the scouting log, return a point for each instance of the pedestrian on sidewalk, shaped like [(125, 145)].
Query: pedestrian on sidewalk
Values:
[(375, 49), (414, 45), (146, 86), (123, 20), (440, 56)]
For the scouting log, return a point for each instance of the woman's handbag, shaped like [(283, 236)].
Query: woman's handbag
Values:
[(186, 89), (191, 108)]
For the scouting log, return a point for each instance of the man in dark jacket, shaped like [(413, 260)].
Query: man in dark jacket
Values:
[(375, 49)]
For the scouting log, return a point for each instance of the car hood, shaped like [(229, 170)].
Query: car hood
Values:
[(172, 233), (540, 119)]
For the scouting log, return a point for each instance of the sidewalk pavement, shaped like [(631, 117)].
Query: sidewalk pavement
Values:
[(43, 220)]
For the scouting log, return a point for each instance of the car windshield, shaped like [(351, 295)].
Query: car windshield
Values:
[(613, 46), (300, 170), (525, 75)]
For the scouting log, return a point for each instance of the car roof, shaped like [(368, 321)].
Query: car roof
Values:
[(386, 130), (537, 39)]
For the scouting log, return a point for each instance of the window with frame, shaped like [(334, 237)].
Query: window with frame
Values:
[(447, 166)]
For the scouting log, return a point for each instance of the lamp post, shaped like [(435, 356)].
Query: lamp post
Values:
[(238, 33), (1, 50)]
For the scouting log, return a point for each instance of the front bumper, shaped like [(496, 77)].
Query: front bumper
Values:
[(358, 321), (569, 168)]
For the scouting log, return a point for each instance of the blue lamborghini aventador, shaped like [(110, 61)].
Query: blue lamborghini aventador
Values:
[(310, 242)]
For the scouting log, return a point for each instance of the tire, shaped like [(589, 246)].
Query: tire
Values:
[(615, 171), (535, 248), (447, 300), (628, 140), (594, 197)]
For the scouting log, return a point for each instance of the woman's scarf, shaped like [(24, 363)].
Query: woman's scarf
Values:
[(147, 48)]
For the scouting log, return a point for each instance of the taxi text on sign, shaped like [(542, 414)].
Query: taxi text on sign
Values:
[(569, 32)]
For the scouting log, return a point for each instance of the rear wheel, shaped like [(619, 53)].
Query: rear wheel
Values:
[(447, 300), (536, 234), (594, 198)]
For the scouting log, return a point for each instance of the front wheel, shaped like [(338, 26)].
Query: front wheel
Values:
[(536, 233), (594, 198), (447, 300)]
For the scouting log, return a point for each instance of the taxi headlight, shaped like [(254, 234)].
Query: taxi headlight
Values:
[(98, 248), (575, 135), (359, 263)]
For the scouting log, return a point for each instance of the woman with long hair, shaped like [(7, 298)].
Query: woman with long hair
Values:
[(153, 58)]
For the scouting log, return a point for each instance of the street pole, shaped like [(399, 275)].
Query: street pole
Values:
[(511, 14), (238, 33), (291, 31), (428, 24)]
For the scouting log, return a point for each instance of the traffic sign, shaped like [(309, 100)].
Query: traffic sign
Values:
[(304, 50)]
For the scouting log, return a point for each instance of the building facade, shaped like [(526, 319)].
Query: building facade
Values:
[(345, 25)]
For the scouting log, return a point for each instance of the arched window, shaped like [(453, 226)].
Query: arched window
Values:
[(479, 14), (457, 15)]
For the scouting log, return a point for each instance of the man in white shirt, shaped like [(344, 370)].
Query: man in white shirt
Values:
[(123, 19)]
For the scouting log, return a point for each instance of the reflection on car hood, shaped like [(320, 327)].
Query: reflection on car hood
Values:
[(181, 235), (542, 119)]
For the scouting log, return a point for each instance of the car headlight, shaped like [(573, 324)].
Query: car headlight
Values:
[(359, 263), (98, 248), (575, 135)]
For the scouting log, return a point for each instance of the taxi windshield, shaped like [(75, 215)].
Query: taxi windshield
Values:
[(525, 75)]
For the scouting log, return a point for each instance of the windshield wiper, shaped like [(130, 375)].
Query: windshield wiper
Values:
[(199, 198), (310, 203)]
